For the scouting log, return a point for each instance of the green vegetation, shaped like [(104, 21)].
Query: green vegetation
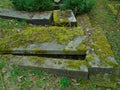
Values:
[(33, 5), (64, 82), (78, 6)]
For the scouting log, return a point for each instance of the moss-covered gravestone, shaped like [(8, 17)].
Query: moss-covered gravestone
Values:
[(64, 18), (45, 40)]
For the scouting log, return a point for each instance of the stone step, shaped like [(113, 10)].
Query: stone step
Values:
[(36, 18), (45, 40), (64, 18)]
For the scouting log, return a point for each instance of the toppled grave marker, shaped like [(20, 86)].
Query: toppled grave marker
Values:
[(64, 18)]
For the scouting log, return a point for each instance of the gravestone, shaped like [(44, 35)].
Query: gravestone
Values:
[(45, 40)]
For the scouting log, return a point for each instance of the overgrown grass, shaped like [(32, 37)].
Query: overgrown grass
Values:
[(6, 4)]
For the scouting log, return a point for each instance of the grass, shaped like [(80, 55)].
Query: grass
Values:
[(16, 78), (6, 4)]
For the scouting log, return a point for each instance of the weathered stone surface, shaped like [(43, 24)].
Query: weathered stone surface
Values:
[(101, 70), (64, 18), (42, 18), (45, 40), (20, 15), (62, 67)]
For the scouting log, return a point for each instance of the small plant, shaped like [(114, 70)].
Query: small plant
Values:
[(64, 82), (38, 72), (2, 64), (78, 6), (33, 5)]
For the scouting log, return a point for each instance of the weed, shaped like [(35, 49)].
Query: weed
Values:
[(64, 82), (2, 64), (38, 72)]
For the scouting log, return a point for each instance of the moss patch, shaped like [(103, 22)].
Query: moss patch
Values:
[(114, 8), (60, 18), (75, 64), (89, 57), (100, 44), (82, 47), (40, 35), (38, 60)]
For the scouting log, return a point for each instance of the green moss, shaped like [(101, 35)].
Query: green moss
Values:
[(110, 63), (75, 64), (39, 35), (60, 18), (82, 47), (89, 57), (106, 85), (101, 46), (59, 62), (112, 9), (57, 18), (38, 60)]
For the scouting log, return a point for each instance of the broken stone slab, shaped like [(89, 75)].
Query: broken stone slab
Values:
[(45, 40), (20, 15), (64, 18), (62, 67), (42, 18)]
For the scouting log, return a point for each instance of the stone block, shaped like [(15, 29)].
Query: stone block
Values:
[(20, 15), (51, 65), (45, 40), (42, 18), (64, 18)]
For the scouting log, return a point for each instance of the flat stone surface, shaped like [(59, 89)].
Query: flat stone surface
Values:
[(42, 18), (64, 18), (45, 40), (5, 13), (62, 67)]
